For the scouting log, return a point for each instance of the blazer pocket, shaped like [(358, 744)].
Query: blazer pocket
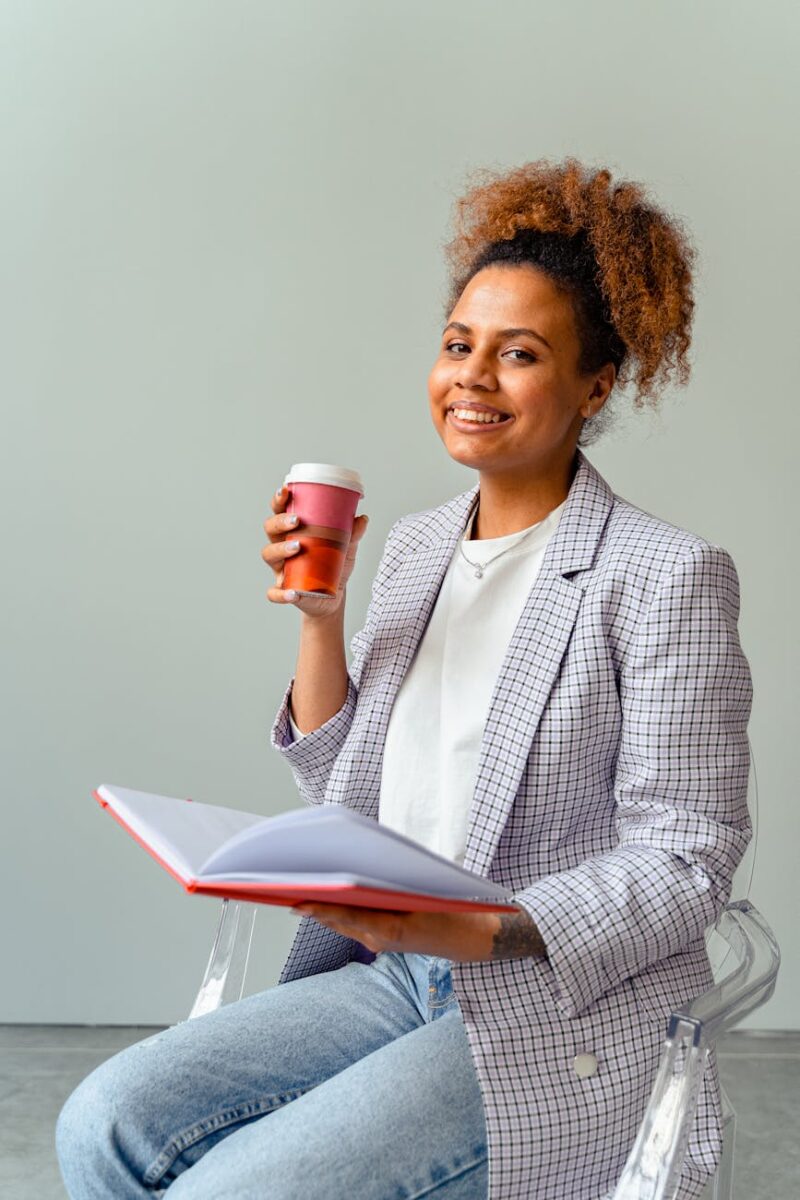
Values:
[(655, 1007), (625, 1038)]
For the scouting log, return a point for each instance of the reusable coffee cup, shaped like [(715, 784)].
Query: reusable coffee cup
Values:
[(325, 498)]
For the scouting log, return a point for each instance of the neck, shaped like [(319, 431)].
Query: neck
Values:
[(506, 506)]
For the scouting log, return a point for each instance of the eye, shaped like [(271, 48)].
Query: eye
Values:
[(514, 350)]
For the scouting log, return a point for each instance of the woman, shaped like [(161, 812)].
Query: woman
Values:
[(549, 689)]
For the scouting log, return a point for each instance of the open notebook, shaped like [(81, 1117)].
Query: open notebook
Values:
[(326, 852)]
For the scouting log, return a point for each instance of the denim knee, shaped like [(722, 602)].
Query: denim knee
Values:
[(93, 1138), (86, 1119)]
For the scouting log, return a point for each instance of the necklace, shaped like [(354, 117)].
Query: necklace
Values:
[(480, 567)]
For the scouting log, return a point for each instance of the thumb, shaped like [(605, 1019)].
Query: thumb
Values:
[(360, 526)]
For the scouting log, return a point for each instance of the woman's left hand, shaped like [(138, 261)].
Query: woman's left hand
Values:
[(459, 936)]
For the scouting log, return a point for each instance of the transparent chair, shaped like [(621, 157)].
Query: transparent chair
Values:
[(744, 958)]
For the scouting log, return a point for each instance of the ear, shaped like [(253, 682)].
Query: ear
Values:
[(601, 390)]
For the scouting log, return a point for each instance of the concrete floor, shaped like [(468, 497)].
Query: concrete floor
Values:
[(41, 1064)]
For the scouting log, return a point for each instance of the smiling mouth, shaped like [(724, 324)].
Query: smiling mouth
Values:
[(475, 419)]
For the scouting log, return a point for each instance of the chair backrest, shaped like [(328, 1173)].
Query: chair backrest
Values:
[(718, 948)]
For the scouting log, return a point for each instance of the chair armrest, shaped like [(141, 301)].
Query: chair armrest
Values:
[(654, 1164), (752, 981)]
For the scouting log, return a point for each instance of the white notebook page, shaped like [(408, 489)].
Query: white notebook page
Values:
[(182, 833)]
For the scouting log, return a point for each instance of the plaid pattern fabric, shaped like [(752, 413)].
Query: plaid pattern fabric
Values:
[(610, 796)]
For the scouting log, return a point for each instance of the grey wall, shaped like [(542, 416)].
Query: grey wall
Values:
[(222, 228)]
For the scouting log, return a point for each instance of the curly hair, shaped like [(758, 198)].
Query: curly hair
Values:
[(626, 265)]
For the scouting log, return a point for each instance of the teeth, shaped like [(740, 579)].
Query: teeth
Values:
[(482, 418)]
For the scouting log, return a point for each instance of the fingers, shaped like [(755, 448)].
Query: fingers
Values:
[(278, 525), (376, 928), (279, 595), (282, 546), (278, 551), (281, 520), (279, 529)]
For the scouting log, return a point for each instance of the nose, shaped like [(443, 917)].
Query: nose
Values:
[(474, 372)]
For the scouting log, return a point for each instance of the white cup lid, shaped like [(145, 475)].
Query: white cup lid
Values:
[(334, 476)]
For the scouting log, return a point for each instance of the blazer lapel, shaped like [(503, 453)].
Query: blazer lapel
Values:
[(533, 660), (528, 671), (523, 684)]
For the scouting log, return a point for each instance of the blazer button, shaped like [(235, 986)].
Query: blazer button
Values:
[(585, 1065)]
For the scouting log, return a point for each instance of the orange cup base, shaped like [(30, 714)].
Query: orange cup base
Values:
[(316, 567)]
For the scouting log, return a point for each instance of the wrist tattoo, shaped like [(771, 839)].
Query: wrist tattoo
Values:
[(518, 937)]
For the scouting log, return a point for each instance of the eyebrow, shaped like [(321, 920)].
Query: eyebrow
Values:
[(501, 332)]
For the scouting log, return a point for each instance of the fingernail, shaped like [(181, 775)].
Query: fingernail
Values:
[(291, 594), (292, 519), (293, 545)]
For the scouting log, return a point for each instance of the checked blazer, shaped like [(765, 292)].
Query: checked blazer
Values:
[(610, 798)]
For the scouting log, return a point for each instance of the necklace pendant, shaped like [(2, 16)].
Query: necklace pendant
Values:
[(478, 572)]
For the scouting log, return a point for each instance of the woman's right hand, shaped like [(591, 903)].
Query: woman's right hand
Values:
[(280, 532)]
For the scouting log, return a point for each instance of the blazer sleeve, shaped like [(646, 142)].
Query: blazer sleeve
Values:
[(296, 733), (680, 788), (311, 757)]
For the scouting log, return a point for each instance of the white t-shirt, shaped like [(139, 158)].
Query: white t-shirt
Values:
[(433, 740)]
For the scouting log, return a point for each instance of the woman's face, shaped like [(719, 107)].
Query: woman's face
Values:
[(487, 359)]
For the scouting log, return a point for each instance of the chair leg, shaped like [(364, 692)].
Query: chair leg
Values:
[(223, 981), (723, 1179)]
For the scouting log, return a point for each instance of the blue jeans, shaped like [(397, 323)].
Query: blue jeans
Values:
[(354, 1084)]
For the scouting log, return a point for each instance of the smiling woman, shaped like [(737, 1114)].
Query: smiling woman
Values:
[(548, 689), (625, 265), (509, 402), (564, 289)]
